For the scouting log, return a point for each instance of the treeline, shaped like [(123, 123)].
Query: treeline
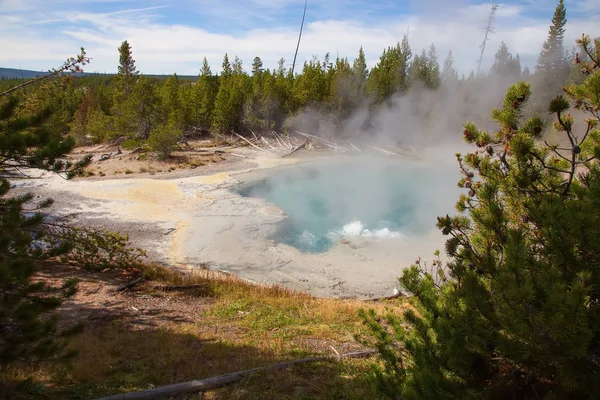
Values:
[(100, 108)]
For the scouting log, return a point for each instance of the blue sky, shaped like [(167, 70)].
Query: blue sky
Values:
[(174, 36)]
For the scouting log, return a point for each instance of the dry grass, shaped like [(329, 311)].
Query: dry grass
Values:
[(224, 325)]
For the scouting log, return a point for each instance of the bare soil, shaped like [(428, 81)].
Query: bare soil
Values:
[(201, 157)]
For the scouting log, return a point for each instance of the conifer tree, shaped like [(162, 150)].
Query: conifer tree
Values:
[(127, 70), (143, 107), (342, 96), (27, 140), (229, 103), (419, 70), (226, 71), (360, 73), (391, 74), (515, 313), (505, 65), (79, 127), (257, 67), (222, 112), (552, 68), (125, 81), (433, 69), (204, 93), (449, 74), (281, 67), (171, 101)]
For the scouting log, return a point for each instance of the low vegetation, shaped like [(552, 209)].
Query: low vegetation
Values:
[(150, 335)]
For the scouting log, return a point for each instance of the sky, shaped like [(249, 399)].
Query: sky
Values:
[(174, 37)]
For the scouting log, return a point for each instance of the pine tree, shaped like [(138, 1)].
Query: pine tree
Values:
[(125, 81), (505, 65), (433, 69), (310, 87), (143, 107), (342, 96), (237, 66), (419, 69), (404, 67), (28, 140), (171, 101), (552, 69), (449, 74), (230, 99), (391, 74), (127, 71), (281, 67), (515, 313), (257, 67), (226, 67), (79, 127), (360, 73), (204, 94)]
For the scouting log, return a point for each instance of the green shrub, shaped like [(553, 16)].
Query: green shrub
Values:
[(163, 139)]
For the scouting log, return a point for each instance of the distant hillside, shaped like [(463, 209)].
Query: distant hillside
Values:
[(11, 73)]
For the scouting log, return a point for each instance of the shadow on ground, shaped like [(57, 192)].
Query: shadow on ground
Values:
[(141, 339)]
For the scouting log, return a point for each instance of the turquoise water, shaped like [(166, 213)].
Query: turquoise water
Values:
[(373, 198)]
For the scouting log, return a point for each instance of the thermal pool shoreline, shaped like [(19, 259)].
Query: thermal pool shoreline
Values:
[(194, 221)]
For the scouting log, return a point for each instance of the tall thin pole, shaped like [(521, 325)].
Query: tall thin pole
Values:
[(488, 29), (299, 37)]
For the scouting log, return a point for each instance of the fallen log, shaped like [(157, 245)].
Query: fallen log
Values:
[(267, 143), (386, 152), (392, 297), (288, 145), (249, 142), (279, 142), (355, 148), (254, 134), (215, 382), (327, 143), (316, 137), (238, 155), (129, 285), (296, 149), (323, 141), (173, 288)]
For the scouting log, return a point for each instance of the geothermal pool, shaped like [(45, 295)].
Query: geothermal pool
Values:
[(330, 226), (361, 197)]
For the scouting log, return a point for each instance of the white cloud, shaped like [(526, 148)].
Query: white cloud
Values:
[(160, 47)]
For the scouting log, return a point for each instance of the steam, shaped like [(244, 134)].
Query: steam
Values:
[(421, 117)]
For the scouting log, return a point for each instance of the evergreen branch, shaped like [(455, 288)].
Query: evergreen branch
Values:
[(541, 160), (566, 129), (587, 131), (553, 148), (592, 58), (72, 65)]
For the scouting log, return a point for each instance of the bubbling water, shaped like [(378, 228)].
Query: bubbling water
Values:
[(361, 198)]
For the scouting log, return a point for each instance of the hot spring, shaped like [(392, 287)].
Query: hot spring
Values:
[(368, 198)]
